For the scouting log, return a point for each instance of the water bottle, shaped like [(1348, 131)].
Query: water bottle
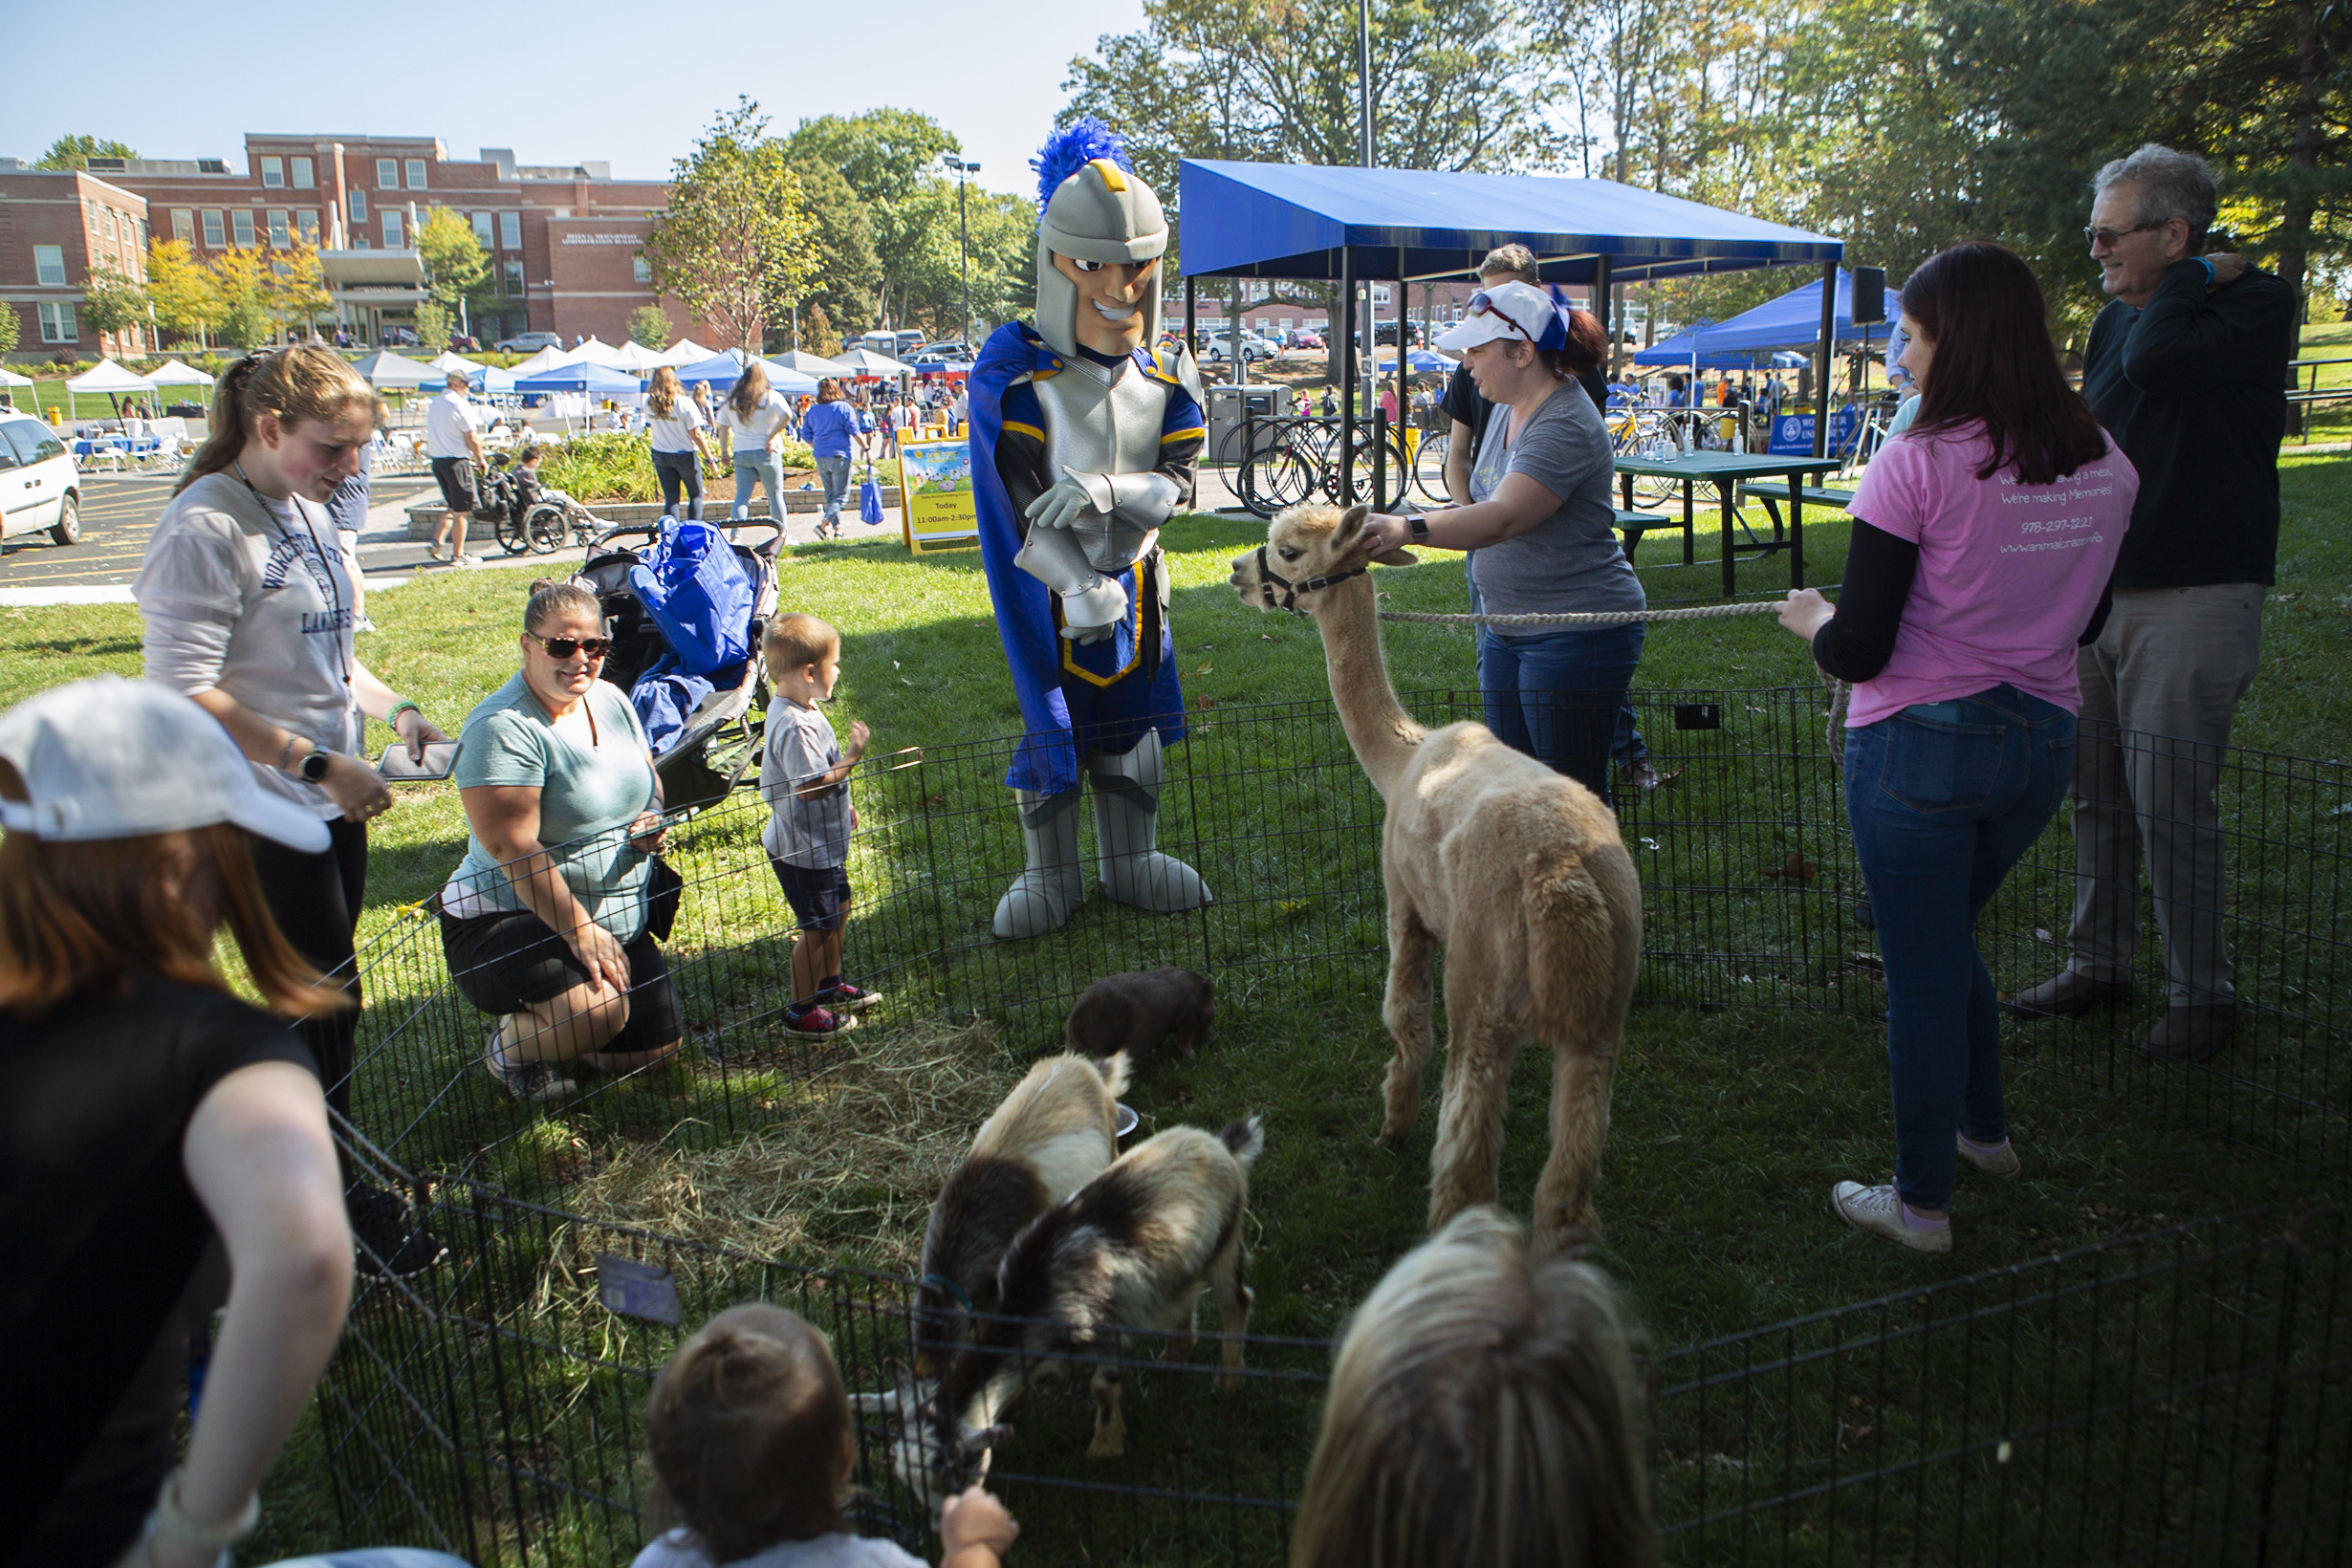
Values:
[(1681, 429)]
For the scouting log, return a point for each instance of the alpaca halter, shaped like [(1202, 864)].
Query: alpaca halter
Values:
[(1268, 580), (953, 1289)]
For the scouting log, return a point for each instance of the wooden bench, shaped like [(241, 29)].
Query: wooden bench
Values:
[(1634, 524)]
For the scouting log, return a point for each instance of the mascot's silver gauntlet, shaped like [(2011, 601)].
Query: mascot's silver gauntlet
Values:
[(1091, 602)]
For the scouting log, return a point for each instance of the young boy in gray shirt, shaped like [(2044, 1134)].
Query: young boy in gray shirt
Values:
[(804, 778)]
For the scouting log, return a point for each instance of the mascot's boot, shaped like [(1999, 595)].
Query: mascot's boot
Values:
[(1127, 821), (1055, 884)]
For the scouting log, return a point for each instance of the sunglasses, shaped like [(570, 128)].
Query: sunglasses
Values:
[(2097, 237), (1482, 304), (563, 647)]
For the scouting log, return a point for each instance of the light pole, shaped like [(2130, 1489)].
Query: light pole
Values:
[(963, 236)]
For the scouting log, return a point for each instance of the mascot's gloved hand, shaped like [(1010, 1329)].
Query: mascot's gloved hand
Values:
[(1062, 506), (1088, 614)]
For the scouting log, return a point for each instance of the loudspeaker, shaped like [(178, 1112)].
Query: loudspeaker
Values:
[(1869, 295)]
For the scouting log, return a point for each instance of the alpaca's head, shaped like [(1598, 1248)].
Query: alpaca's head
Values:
[(1304, 545)]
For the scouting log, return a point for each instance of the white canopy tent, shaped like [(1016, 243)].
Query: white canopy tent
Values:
[(547, 359), (807, 363), (638, 359), (172, 373), (446, 361), (10, 378), (384, 368), (596, 351), (106, 376), (686, 351), (864, 361)]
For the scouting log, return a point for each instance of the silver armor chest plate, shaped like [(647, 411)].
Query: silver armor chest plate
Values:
[(1103, 421)]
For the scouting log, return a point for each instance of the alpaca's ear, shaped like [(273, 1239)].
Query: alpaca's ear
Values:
[(1398, 558), (1349, 527)]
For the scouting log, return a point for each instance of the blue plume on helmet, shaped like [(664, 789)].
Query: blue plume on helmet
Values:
[(1071, 149)]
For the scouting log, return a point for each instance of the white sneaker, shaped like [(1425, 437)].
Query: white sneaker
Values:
[(469, 561), (1878, 1211), (2001, 1160)]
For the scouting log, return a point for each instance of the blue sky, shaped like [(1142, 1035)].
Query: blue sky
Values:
[(623, 81)]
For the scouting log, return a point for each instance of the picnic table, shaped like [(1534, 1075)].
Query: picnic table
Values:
[(115, 449), (1726, 471)]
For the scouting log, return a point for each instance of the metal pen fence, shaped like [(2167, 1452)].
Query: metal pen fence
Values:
[(489, 1406)]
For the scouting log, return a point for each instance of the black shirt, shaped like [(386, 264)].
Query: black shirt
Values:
[(101, 1234), (2192, 385)]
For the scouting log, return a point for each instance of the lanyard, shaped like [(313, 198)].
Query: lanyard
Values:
[(316, 563)]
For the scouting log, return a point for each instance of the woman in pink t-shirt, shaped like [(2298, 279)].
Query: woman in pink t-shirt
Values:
[(1984, 537)]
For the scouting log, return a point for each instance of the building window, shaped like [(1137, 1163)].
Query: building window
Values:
[(302, 177), (391, 231), (641, 268), (387, 174), (106, 217), (359, 205), (241, 225), (212, 229), (306, 223), (416, 174), (481, 230), (273, 174), (514, 278), (279, 235), (48, 264), (57, 323), (184, 224), (509, 230)]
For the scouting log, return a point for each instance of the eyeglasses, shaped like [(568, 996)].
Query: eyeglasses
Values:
[(563, 647), (2097, 237)]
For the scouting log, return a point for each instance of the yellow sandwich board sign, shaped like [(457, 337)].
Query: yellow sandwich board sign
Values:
[(936, 507)]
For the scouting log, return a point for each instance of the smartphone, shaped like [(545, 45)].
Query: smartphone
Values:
[(439, 759)]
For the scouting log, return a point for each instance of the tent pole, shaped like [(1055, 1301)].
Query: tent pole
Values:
[(1193, 317), (1820, 360), (1347, 373), (1603, 308), (1404, 383)]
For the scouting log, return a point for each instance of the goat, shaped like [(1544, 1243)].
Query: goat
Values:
[(1054, 1133), (1133, 1248), (1142, 1012)]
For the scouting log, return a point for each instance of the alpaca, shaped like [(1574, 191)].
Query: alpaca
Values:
[(1518, 870)]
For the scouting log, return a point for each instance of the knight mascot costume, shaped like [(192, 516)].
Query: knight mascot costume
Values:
[(1085, 431)]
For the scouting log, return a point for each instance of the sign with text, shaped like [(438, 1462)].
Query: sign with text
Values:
[(936, 507), (1793, 433)]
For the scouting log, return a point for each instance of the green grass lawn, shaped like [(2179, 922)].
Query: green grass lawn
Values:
[(1729, 1125)]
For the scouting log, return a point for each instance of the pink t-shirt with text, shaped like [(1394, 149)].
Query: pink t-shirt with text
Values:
[(2009, 573)]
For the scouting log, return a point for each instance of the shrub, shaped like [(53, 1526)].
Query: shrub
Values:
[(604, 465)]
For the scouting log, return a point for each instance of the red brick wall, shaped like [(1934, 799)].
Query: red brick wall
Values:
[(46, 209)]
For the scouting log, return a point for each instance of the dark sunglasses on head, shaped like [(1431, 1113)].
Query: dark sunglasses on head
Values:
[(563, 647)]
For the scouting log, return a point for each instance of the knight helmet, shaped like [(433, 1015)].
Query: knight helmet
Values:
[(1094, 207)]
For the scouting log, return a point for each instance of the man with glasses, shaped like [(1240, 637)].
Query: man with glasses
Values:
[(2187, 367)]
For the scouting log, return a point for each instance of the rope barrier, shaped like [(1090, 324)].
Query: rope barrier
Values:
[(1596, 618)]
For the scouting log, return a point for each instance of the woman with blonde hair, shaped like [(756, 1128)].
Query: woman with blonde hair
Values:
[(1481, 1415), (679, 446), (251, 604), (755, 418)]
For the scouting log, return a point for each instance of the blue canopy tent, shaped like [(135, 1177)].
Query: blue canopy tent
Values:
[(721, 370), (1789, 321), (1409, 226), (595, 380)]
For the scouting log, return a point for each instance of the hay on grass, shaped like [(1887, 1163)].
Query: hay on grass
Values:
[(847, 1172)]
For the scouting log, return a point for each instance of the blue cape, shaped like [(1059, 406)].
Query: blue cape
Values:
[(1047, 761)]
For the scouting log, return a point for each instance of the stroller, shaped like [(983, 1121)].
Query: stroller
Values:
[(720, 741)]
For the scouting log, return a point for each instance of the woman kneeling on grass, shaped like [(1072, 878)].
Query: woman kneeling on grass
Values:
[(545, 922), (1984, 536)]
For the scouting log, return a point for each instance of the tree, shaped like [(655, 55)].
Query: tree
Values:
[(434, 323), (9, 329), (296, 289), (185, 293), (883, 154), (888, 163), (240, 277), (734, 243), (844, 275), (455, 264), (649, 327), (816, 333), (111, 302), (75, 152)]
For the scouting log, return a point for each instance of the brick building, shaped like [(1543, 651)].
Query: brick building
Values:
[(562, 240), (54, 229)]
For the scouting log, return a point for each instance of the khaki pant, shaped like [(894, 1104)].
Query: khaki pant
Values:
[(2158, 689)]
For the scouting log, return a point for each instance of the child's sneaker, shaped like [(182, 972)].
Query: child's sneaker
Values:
[(525, 1080), (815, 1022), (844, 997)]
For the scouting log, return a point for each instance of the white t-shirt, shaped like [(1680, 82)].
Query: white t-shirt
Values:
[(677, 1549), (447, 422), (676, 432), (751, 435)]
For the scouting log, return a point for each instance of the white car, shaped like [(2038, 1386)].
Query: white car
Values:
[(1219, 345), (39, 486)]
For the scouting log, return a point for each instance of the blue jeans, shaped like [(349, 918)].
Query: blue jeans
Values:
[(835, 472), (1556, 695), (759, 466), (680, 471), (1944, 798), (376, 1556)]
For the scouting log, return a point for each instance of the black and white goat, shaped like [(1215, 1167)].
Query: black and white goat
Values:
[(1054, 1132), (1133, 1248)]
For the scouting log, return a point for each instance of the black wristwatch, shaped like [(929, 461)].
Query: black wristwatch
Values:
[(313, 768), (1420, 526)]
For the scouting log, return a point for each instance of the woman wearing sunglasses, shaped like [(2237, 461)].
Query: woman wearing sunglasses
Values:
[(1540, 531), (545, 922)]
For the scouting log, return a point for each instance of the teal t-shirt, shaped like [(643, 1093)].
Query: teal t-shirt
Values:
[(588, 796)]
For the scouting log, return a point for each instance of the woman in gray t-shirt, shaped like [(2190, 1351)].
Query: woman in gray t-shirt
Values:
[(1540, 532)]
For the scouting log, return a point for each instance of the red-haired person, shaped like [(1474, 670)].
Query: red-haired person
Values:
[(1983, 538)]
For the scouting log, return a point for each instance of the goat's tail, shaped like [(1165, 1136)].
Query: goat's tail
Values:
[(1245, 1138), (1584, 947), (1116, 1069)]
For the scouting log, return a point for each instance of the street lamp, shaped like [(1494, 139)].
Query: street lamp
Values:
[(963, 237)]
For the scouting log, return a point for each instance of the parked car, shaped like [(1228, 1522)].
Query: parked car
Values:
[(529, 342), (465, 344), (1307, 340), (398, 338), (1219, 347), (41, 487), (946, 349)]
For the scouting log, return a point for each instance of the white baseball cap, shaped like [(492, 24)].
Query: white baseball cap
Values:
[(1518, 311), (111, 758)]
